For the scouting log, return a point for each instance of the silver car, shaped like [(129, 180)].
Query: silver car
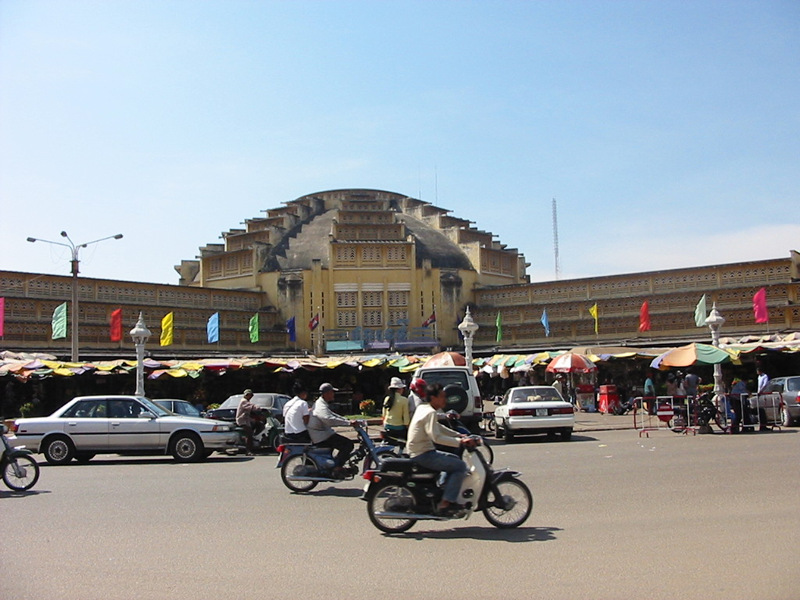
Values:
[(781, 400), (88, 425)]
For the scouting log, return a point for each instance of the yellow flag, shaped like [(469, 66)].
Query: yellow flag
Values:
[(593, 312), (166, 329)]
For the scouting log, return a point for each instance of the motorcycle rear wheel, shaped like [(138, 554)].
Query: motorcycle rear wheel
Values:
[(298, 465), (20, 473), (390, 497), (514, 506)]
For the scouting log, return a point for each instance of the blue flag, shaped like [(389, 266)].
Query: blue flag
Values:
[(290, 329), (212, 328), (545, 323)]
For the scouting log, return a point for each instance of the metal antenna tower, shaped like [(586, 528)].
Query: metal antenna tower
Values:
[(555, 238)]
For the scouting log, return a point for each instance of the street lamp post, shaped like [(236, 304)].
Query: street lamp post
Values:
[(468, 327), (75, 261), (715, 322), (140, 334)]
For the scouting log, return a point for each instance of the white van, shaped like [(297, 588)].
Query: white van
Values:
[(461, 387)]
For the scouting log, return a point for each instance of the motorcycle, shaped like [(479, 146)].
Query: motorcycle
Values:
[(303, 466), (266, 432), (20, 470), (399, 493)]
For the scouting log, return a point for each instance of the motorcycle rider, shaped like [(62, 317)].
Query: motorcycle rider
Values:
[(320, 428), (244, 419), (296, 414), (424, 432)]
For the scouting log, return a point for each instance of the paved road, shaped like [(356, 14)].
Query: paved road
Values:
[(615, 517)]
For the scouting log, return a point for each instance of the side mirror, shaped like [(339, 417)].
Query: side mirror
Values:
[(146, 414)]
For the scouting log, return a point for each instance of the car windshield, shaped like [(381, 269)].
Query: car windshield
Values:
[(153, 407), (446, 378), (540, 394)]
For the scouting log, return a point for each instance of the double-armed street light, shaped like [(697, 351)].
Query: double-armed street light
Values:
[(74, 249)]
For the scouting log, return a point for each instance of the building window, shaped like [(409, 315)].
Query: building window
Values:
[(373, 318), (346, 299), (396, 254), (346, 318), (371, 254), (399, 298), (372, 299), (398, 317), (346, 254)]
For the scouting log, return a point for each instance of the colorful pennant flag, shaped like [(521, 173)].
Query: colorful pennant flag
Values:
[(314, 322), (545, 323), (644, 317), (499, 323), (212, 328), (167, 332), (594, 312), (700, 312), (2, 316), (116, 325), (253, 328), (430, 320), (60, 322), (291, 330), (760, 311)]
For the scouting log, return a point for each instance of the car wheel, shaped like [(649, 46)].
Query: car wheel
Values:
[(786, 417), (186, 447), (508, 435), (566, 435), (58, 450)]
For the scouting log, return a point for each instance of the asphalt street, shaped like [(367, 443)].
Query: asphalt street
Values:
[(615, 516)]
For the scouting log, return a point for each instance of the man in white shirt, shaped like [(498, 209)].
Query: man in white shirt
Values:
[(763, 381), (424, 432), (296, 413)]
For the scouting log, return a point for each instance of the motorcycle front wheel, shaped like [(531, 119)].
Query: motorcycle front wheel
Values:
[(20, 473), (297, 466), (512, 507), (391, 499)]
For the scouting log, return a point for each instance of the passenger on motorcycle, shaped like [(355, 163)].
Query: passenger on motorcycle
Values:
[(244, 419), (320, 427), (424, 432), (296, 414), (417, 395)]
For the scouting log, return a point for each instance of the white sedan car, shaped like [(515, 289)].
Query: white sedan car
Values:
[(534, 409), (88, 425)]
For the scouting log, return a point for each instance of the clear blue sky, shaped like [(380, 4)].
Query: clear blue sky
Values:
[(669, 132)]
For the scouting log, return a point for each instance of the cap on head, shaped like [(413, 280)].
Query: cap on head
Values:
[(397, 384), (327, 387), (247, 393)]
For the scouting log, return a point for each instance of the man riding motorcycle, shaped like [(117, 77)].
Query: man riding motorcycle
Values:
[(320, 428), (423, 433)]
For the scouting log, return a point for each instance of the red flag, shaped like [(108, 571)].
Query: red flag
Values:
[(760, 306), (644, 317), (314, 322), (430, 320), (116, 325)]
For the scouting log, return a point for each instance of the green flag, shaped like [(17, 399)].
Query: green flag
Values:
[(253, 328), (60, 322), (499, 323), (700, 312)]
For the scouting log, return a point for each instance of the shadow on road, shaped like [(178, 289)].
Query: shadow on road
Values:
[(542, 439), (337, 492), (111, 460), (520, 534), (12, 494)]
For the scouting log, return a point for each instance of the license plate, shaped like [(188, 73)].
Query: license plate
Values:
[(541, 412)]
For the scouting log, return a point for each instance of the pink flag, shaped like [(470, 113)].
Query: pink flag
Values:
[(760, 306), (2, 316)]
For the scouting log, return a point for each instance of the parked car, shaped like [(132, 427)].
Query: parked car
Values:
[(781, 402), (227, 410), (88, 425), (461, 387), (534, 409), (179, 407)]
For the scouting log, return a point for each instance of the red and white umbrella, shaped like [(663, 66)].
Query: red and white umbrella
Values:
[(571, 362)]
